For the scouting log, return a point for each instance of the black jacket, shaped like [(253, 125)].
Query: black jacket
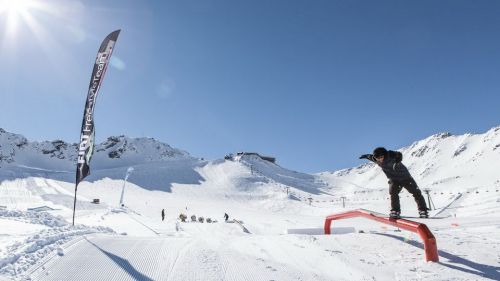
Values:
[(392, 166)]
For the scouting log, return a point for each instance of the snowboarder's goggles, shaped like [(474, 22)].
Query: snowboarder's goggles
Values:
[(379, 157)]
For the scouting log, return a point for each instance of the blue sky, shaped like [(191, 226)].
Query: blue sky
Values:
[(313, 83)]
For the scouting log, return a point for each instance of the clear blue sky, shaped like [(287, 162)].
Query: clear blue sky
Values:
[(313, 83)]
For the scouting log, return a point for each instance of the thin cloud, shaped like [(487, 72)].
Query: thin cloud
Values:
[(166, 89), (117, 63)]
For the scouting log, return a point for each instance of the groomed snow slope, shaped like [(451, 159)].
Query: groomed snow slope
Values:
[(133, 243)]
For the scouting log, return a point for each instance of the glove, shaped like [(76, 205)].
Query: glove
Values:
[(364, 156)]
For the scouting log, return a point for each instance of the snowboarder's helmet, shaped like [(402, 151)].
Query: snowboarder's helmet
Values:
[(379, 151)]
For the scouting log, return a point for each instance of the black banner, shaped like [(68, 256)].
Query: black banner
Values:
[(86, 147)]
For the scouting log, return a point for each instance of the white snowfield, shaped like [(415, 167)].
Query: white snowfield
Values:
[(283, 212)]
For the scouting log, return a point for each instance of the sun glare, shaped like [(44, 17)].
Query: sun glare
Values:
[(13, 10), (15, 6), (37, 25)]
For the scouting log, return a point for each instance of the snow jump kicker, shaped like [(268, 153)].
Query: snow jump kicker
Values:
[(430, 246)]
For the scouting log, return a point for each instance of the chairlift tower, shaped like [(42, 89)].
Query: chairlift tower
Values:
[(431, 204)]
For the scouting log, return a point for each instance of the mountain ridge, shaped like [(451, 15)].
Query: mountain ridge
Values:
[(58, 154), (440, 159)]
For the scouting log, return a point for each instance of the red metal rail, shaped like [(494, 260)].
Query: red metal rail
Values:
[(430, 246)]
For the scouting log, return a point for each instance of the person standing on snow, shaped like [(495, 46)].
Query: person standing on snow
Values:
[(162, 214), (399, 177), (226, 217)]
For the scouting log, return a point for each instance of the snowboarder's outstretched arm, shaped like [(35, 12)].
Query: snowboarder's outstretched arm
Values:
[(368, 157), (396, 155)]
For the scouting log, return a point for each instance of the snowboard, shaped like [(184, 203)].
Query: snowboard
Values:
[(410, 217)]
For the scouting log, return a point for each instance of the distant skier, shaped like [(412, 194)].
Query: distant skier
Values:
[(399, 177), (162, 214), (226, 217)]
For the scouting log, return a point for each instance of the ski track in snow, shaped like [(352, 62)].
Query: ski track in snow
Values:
[(172, 259), (137, 245)]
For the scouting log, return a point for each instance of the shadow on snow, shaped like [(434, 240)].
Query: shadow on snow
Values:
[(483, 270), (151, 176), (123, 263)]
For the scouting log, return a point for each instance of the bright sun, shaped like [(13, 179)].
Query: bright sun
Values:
[(18, 15), (15, 6), (14, 10), (22, 20)]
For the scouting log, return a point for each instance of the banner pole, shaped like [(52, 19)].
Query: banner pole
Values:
[(74, 205)]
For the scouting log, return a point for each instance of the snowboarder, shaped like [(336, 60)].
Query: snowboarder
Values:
[(226, 217), (399, 177), (162, 214)]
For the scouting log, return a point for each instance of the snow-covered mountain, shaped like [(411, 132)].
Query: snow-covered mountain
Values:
[(156, 165), (16, 150), (440, 162), (20, 158)]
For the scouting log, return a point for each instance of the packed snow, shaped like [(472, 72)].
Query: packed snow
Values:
[(276, 216)]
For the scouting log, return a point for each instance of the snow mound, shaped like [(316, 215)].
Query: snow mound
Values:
[(21, 256)]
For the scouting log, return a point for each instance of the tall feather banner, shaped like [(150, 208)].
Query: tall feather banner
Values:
[(86, 147)]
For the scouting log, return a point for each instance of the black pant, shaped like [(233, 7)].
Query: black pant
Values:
[(395, 188)]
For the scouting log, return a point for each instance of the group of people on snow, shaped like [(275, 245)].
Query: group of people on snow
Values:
[(183, 217)]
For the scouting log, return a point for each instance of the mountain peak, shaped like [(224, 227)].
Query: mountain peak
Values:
[(443, 160), (58, 154)]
